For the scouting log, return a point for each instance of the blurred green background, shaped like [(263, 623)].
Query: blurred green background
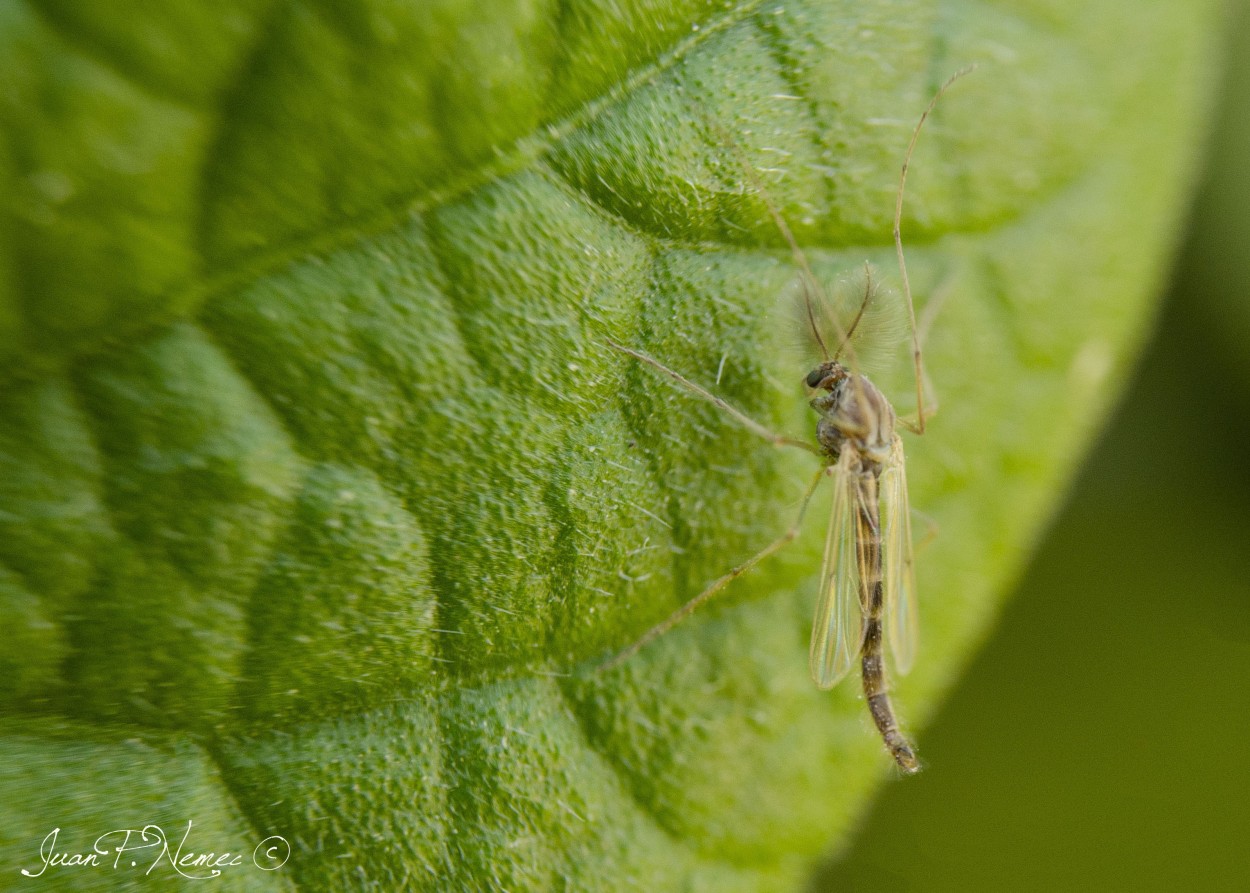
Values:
[(1100, 740)]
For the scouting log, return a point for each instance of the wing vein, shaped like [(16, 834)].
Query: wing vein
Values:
[(838, 629)]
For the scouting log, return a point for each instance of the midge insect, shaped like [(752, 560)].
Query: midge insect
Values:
[(867, 583)]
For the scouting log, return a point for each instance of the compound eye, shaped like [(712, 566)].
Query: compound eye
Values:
[(815, 377)]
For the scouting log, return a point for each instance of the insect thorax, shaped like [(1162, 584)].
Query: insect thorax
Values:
[(854, 412)]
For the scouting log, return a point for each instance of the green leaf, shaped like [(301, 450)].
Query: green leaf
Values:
[(320, 491)]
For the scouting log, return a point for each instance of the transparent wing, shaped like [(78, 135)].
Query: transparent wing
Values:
[(902, 622), (838, 628)]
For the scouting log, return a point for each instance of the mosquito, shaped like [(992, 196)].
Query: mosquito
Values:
[(867, 580)]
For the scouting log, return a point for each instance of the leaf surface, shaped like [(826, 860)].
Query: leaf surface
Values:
[(320, 490)]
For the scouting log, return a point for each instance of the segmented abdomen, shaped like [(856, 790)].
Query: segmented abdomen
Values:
[(872, 602)]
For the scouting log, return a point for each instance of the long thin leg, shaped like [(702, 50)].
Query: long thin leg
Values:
[(931, 310), (932, 528), (742, 418), (898, 242), (933, 306), (716, 586)]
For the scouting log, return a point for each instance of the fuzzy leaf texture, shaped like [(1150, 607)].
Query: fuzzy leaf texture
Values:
[(320, 491)]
